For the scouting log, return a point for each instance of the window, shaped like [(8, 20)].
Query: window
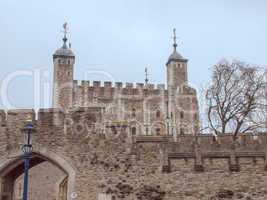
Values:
[(133, 131), (181, 131), (133, 112), (158, 114), (182, 114), (157, 131), (59, 61), (147, 130), (68, 62)]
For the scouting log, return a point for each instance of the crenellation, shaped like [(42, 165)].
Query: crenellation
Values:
[(108, 84), (83, 90), (96, 83), (85, 83), (129, 85), (150, 86), (140, 85), (118, 84)]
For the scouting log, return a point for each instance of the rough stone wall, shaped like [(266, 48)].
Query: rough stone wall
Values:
[(144, 167)]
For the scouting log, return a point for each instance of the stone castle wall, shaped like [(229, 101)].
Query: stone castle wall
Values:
[(144, 105), (114, 164)]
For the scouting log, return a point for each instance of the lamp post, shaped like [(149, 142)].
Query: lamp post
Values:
[(27, 150)]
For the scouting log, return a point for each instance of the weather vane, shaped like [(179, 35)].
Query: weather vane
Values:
[(65, 27), (65, 31), (174, 39)]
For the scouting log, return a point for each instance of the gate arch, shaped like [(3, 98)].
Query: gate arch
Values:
[(12, 167)]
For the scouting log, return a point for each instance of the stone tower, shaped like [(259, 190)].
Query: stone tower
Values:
[(176, 78), (63, 60)]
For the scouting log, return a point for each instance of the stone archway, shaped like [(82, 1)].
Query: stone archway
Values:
[(135, 125), (159, 128), (12, 168), (63, 189)]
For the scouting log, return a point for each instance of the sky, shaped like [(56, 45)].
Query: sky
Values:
[(116, 40)]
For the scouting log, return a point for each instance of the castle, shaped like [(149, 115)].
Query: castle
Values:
[(105, 142), (146, 109)]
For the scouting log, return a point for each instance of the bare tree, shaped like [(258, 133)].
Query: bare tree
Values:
[(236, 99)]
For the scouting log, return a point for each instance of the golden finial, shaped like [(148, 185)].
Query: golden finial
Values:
[(29, 118)]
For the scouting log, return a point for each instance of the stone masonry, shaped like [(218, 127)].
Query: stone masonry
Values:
[(115, 165), (146, 108), (115, 141)]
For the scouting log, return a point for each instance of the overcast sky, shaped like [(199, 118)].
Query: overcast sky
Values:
[(117, 39)]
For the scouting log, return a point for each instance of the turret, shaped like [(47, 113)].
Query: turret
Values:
[(176, 67), (176, 77), (63, 60)]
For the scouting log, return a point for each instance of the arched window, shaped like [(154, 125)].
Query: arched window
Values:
[(133, 112), (59, 61), (182, 131), (158, 114), (157, 131), (133, 131), (182, 114)]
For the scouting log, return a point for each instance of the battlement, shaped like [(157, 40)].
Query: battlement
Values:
[(208, 142), (205, 150), (54, 117), (86, 92), (127, 85)]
